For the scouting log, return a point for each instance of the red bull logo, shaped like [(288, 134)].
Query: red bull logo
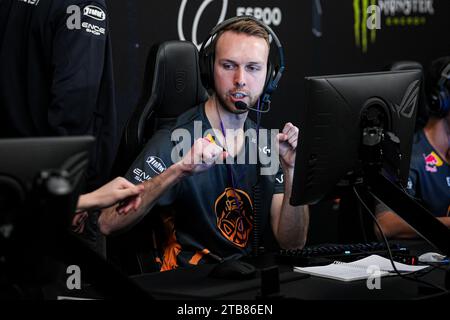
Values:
[(432, 162)]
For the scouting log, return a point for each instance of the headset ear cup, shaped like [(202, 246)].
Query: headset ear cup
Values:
[(435, 103), (210, 62), (440, 103), (269, 75), (445, 102), (204, 69)]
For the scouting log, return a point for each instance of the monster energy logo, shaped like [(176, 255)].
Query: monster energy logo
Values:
[(398, 13), (365, 27)]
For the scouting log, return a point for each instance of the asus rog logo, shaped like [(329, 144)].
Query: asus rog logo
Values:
[(409, 102)]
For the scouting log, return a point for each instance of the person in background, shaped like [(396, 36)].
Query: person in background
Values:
[(56, 79), (429, 177)]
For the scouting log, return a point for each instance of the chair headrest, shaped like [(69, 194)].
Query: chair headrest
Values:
[(176, 84), (406, 65)]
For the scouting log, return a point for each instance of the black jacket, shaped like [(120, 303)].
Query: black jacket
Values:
[(56, 76)]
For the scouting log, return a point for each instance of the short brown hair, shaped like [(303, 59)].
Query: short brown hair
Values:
[(246, 26)]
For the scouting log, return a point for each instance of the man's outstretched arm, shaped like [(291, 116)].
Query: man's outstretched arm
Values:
[(202, 156)]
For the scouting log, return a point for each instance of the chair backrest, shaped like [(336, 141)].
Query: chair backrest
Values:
[(171, 86), (423, 113)]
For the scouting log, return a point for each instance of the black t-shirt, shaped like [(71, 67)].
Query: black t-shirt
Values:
[(213, 210), (56, 76)]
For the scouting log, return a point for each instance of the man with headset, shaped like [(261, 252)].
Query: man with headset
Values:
[(213, 217), (429, 179)]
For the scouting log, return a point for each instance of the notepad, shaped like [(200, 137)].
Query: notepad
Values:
[(359, 269)]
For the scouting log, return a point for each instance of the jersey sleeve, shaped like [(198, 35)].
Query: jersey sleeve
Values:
[(155, 158), (82, 83), (279, 181), (77, 65)]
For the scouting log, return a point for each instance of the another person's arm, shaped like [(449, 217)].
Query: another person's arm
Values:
[(289, 224), (115, 191), (395, 227)]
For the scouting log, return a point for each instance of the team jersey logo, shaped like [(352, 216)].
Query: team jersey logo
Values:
[(234, 212), (432, 162), (33, 2), (156, 164), (410, 184), (94, 13)]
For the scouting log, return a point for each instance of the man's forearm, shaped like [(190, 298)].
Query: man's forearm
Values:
[(445, 220), (395, 227), (111, 221), (294, 221)]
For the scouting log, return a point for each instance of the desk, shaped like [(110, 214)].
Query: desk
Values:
[(194, 283)]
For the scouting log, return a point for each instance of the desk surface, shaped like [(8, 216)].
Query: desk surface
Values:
[(194, 283)]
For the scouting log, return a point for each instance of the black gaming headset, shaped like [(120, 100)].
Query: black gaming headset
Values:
[(440, 96), (274, 72)]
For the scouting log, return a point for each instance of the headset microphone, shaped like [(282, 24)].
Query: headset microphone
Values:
[(241, 105)]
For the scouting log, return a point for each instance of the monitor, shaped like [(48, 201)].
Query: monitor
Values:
[(40, 181), (28, 162), (356, 130), (338, 108)]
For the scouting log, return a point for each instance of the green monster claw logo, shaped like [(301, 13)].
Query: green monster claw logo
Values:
[(360, 24), (397, 13)]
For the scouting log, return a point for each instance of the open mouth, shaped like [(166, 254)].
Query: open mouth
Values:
[(238, 95)]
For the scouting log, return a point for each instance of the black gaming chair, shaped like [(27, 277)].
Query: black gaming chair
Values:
[(172, 85), (172, 74)]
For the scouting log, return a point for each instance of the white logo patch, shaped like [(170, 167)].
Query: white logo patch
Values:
[(94, 13), (156, 164), (410, 184), (140, 175), (265, 150), (448, 181), (33, 2), (92, 28), (281, 179)]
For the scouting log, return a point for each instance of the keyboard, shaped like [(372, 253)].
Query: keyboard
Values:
[(342, 252)]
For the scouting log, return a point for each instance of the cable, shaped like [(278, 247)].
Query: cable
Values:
[(257, 195), (389, 249)]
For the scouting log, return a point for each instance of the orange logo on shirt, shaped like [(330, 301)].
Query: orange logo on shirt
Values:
[(234, 212)]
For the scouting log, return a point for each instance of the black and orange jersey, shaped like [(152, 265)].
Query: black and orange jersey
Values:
[(214, 209)]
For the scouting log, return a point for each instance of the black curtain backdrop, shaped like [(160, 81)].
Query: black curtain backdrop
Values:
[(319, 37)]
